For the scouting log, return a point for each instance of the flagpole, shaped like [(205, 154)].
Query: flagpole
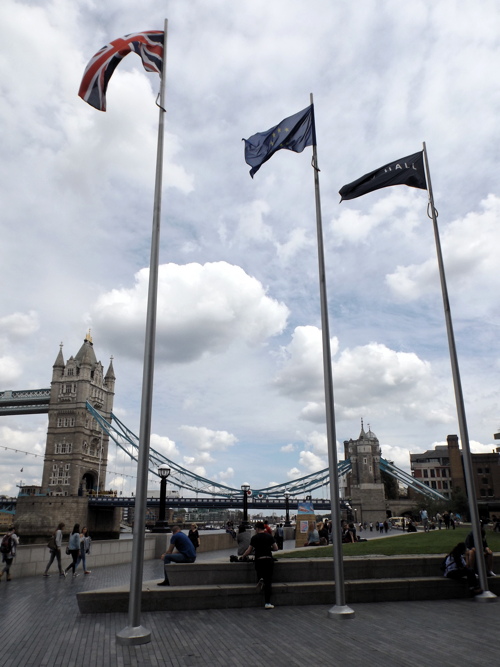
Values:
[(486, 595), (340, 610), (134, 632)]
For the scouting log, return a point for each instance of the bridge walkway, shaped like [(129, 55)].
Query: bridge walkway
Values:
[(40, 625)]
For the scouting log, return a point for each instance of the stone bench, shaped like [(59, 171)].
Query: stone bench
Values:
[(225, 585), (305, 569)]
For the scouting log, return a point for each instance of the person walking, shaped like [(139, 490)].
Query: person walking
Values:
[(194, 535), (424, 517), (85, 542), (9, 547), (74, 549), (264, 544), (54, 545)]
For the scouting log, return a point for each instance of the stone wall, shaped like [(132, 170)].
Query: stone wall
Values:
[(31, 559)]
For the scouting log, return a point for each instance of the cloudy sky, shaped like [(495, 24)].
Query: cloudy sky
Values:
[(238, 376)]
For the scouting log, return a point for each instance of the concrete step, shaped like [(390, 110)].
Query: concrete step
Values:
[(227, 596), (289, 570)]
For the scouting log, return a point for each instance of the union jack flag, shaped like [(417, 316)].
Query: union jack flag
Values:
[(148, 45)]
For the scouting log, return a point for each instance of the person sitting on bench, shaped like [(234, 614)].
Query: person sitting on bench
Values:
[(455, 568), (471, 553)]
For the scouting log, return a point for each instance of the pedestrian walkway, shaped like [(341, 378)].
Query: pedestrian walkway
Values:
[(40, 625)]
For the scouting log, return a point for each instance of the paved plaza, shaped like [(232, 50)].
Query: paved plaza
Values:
[(40, 625)]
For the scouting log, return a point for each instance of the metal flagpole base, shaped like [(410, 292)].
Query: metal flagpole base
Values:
[(340, 612), (486, 596), (133, 636)]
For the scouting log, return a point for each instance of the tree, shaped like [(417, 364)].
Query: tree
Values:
[(459, 502)]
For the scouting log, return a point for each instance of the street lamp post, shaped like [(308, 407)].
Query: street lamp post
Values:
[(287, 509), (161, 526), (245, 488)]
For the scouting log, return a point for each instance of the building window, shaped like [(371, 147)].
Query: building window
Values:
[(485, 480), (444, 472), (426, 473), (482, 492), (365, 460), (433, 484), (479, 471), (490, 492), (445, 485), (487, 470), (59, 476), (426, 483), (64, 448), (65, 422), (433, 473)]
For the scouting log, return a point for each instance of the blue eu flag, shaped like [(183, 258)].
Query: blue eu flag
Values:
[(294, 134)]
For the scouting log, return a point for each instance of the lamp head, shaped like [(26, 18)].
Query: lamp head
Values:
[(164, 470)]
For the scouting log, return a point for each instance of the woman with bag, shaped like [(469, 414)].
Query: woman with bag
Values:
[(54, 545), (73, 548), (85, 542)]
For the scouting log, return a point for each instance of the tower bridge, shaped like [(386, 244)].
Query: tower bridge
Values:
[(81, 423)]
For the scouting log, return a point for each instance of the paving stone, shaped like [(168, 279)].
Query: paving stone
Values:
[(40, 625)]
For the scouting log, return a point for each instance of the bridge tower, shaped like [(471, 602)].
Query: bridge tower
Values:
[(364, 483), (76, 452)]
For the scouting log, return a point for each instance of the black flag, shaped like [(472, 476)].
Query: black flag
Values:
[(407, 171)]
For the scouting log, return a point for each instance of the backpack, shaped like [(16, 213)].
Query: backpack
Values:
[(6, 545)]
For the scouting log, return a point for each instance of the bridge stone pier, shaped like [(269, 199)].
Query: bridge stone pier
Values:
[(39, 516)]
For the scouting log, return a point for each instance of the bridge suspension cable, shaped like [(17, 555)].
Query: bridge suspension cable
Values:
[(185, 479), (182, 478)]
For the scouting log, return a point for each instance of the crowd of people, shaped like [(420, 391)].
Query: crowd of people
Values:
[(79, 547)]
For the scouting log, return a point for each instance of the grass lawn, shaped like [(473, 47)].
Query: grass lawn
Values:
[(433, 542)]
